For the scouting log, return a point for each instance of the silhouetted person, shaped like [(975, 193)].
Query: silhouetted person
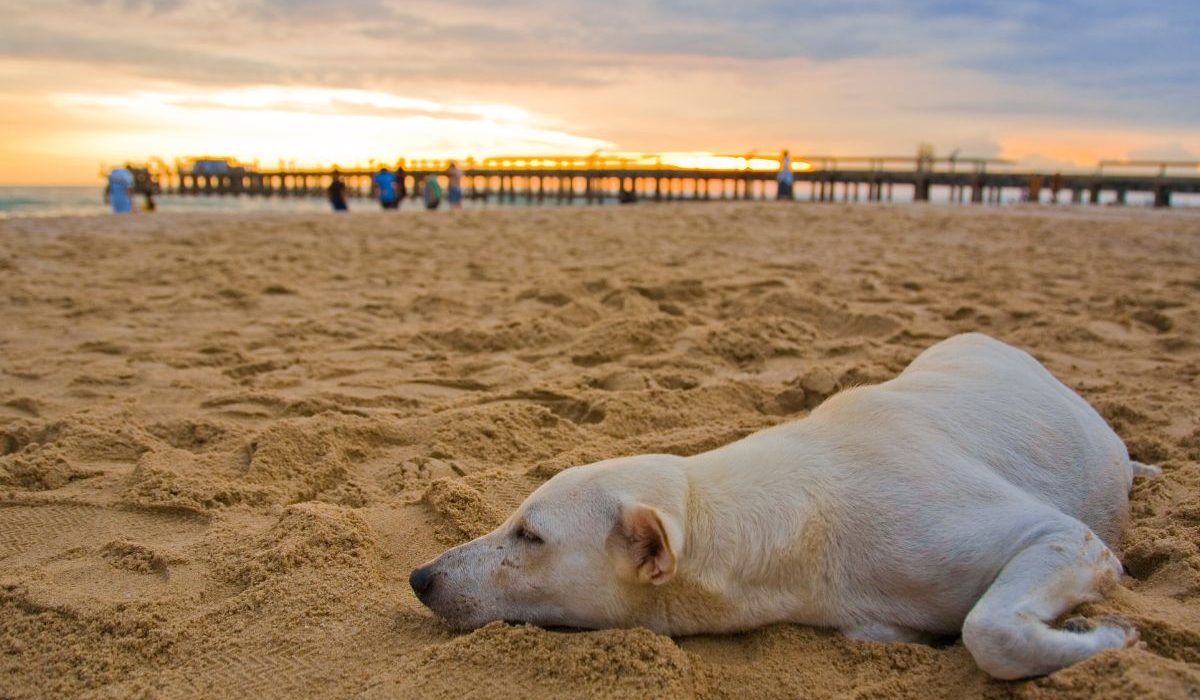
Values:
[(627, 195), (786, 178), (337, 193), (433, 192)]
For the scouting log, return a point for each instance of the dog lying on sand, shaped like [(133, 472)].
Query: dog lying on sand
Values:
[(973, 494)]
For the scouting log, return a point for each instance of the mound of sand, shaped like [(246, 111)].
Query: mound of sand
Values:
[(225, 441)]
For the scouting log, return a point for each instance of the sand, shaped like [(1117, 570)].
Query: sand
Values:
[(226, 440)]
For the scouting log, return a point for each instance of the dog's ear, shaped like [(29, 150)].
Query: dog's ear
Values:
[(645, 545)]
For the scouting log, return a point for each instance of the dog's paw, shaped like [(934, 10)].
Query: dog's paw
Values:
[(1111, 631), (1078, 625), (1121, 624)]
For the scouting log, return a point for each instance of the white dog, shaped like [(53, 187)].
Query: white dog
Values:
[(974, 494)]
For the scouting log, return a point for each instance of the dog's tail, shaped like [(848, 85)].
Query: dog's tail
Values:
[(1148, 471)]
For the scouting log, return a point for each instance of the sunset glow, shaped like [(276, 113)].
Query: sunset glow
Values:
[(88, 84), (310, 126)]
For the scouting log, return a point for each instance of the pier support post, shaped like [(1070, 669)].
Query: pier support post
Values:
[(1162, 196), (921, 189)]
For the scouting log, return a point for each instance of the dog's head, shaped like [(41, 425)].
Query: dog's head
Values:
[(584, 550)]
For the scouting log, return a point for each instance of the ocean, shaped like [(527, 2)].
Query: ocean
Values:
[(89, 201)]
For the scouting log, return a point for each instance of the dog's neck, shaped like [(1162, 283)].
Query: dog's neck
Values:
[(733, 560)]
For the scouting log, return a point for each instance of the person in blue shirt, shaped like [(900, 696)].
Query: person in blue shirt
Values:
[(119, 190), (385, 183)]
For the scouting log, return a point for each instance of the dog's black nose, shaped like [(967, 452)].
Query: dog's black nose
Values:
[(421, 581)]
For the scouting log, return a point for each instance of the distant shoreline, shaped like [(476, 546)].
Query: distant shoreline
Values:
[(87, 200)]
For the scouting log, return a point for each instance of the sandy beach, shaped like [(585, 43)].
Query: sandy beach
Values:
[(225, 440)]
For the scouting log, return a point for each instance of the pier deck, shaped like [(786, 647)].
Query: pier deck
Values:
[(597, 180)]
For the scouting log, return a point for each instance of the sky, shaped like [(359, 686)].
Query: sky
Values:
[(85, 83)]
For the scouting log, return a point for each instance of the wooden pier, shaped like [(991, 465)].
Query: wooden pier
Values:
[(597, 179)]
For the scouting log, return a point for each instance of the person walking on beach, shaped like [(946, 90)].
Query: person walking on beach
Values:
[(385, 183), (455, 176), (433, 192), (786, 178), (119, 190), (337, 193)]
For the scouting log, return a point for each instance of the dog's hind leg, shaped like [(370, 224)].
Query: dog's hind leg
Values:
[(1007, 631)]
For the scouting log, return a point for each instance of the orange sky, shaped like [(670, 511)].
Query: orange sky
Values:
[(93, 82)]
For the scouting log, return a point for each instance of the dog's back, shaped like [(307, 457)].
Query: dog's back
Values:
[(995, 405)]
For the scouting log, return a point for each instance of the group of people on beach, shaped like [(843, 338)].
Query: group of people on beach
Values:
[(391, 188)]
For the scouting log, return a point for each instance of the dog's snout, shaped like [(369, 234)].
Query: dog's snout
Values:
[(421, 580)]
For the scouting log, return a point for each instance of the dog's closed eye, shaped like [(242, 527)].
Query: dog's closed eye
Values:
[(524, 533)]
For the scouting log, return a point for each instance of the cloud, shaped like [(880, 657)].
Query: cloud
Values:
[(310, 100), (972, 147), (1164, 151), (848, 76), (1038, 161), (18, 41), (1120, 52), (310, 125)]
